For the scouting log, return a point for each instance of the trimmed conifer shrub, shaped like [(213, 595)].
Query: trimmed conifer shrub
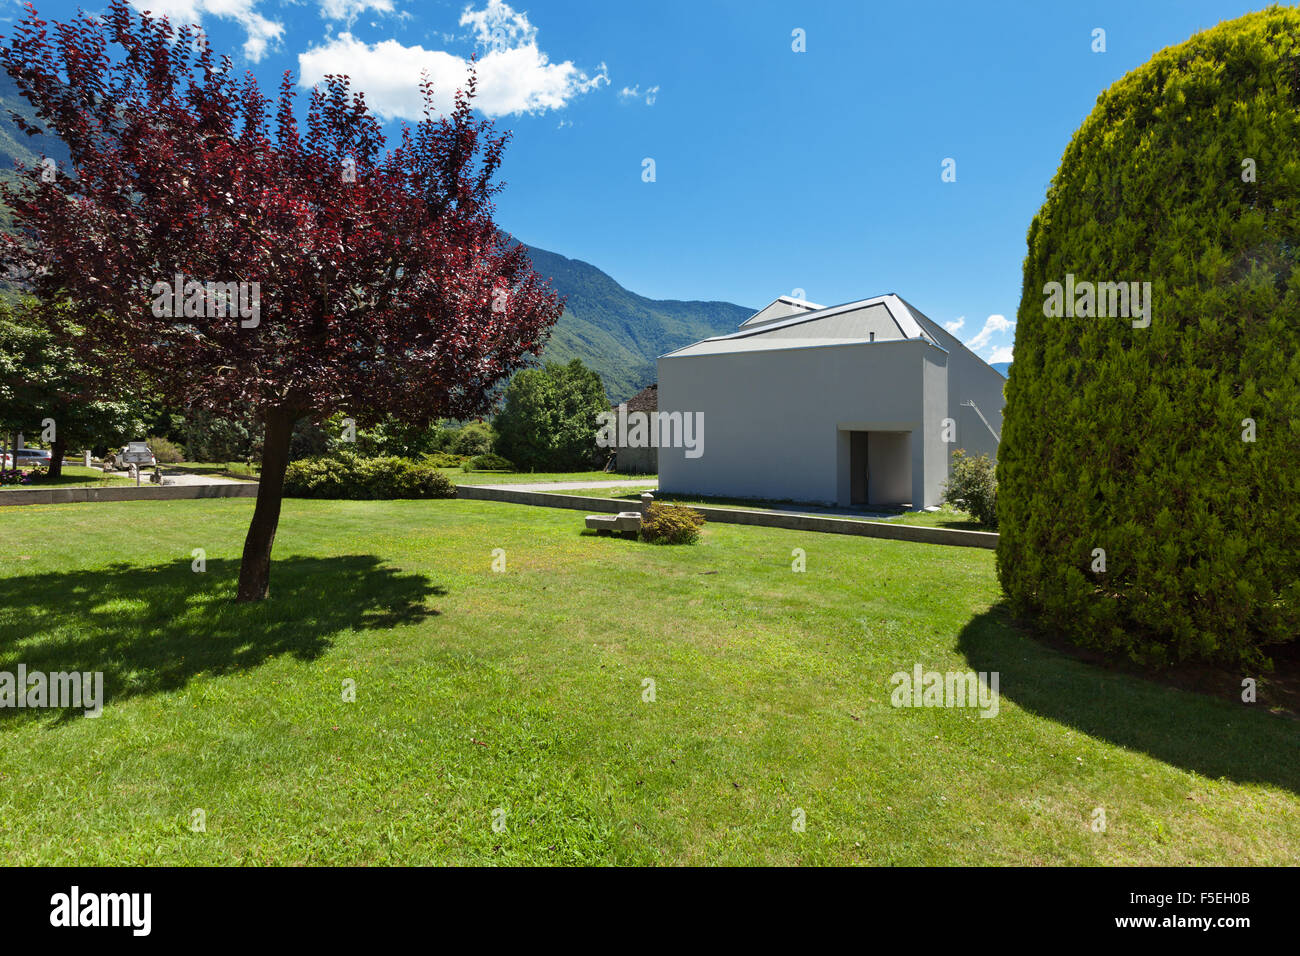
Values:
[(671, 524), (1149, 474)]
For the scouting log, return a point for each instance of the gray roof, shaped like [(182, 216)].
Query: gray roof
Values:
[(837, 325)]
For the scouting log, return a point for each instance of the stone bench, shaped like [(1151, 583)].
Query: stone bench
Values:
[(625, 522)]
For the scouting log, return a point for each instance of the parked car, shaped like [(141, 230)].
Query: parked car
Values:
[(33, 457), (134, 453)]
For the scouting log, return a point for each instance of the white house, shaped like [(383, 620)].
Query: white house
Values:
[(854, 405)]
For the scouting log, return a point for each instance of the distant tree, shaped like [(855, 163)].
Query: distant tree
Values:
[(548, 420), (387, 437), (213, 437), (44, 380), (367, 281), (474, 438)]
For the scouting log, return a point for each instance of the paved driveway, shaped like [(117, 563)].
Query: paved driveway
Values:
[(176, 479)]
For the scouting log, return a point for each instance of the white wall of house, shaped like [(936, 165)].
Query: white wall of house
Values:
[(778, 421), (847, 406), (970, 378)]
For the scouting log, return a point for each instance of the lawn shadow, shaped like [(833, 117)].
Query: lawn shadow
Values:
[(153, 629), (1192, 731)]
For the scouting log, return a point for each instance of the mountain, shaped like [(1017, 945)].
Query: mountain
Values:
[(1003, 367), (620, 333), (14, 143)]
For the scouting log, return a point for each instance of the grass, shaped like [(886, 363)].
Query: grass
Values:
[(75, 476), (522, 691), (460, 477), (945, 517), (239, 469)]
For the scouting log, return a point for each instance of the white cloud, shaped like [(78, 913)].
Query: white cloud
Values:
[(260, 32), (992, 326), (1000, 354), (349, 10), (514, 75), (955, 325), (634, 93)]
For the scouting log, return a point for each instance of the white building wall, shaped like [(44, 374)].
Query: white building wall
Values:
[(777, 422), (970, 378)]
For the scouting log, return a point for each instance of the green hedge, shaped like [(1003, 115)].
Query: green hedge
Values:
[(488, 462), (443, 459), (1129, 440), (346, 476)]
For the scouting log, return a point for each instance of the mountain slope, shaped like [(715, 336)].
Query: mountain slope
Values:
[(14, 143), (620, 333)]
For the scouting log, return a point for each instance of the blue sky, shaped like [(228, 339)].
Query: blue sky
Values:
[(774, 170)]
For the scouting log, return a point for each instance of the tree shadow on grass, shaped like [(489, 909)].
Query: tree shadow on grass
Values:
[(1192, 731), (152, 629)]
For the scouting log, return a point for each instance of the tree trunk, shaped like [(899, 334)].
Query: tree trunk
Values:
[(57, 448), (255, 568)]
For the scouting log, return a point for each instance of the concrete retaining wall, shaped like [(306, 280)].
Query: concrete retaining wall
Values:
[(766, 519), (59, 496)]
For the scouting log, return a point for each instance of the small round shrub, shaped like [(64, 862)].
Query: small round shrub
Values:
[(973, 487), (671, 524), (167, 452)]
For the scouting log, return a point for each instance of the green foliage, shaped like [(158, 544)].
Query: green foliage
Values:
[(1130, 440), (671, 524), (42, 377), (210, 437), (548, 421), (973, 487), (488, 462), (349, 476), (476, 438), (443, 459), (309, 440), (166, 452), (387, 437)]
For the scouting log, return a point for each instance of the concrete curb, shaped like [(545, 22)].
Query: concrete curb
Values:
[(60, 496), (768, 519)]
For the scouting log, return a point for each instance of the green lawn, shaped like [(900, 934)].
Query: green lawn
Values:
[(945, 517), (75, 476), (522, 691), (460, 477), (239, 469)]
